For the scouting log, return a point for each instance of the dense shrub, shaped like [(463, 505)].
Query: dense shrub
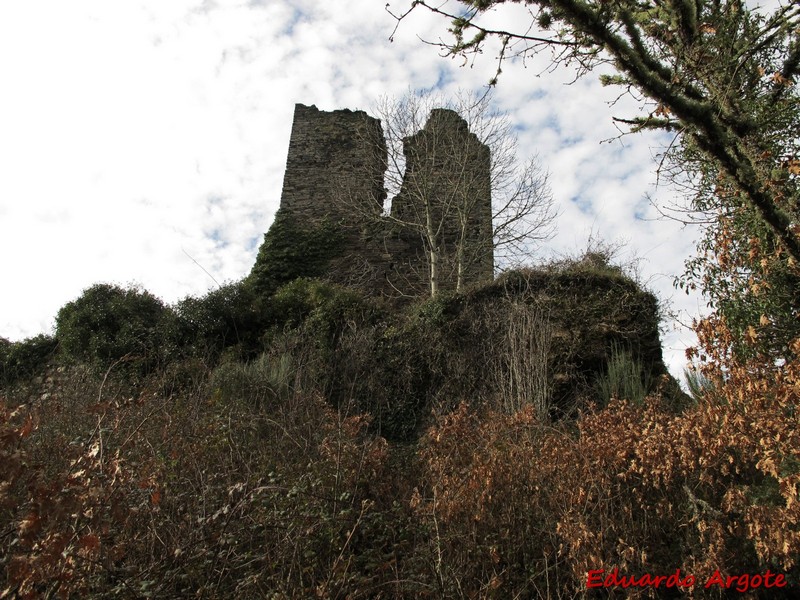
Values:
[(19, 360), (108, 323), (637, 488), (242, 484), (183, 376), (569, 315), (391, 373), (374, 454), (351, 351), (324, 307), (107, 495), (533, 336), (633, 486), (225, 318)]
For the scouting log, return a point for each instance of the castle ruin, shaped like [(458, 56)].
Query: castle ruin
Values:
[(333, 195)]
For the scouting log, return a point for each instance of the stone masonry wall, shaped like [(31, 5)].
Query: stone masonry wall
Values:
[(334, 175), (326, 149)]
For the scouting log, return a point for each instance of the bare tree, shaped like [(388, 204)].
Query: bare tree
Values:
[(523, 210), (454, 183)]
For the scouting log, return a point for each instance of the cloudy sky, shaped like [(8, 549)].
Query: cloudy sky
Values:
[(139, 137)]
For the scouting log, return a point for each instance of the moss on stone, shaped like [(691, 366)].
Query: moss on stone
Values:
[(292, 250)]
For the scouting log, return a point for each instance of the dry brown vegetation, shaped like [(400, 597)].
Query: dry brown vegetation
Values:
[(188, 486), (461, 450)]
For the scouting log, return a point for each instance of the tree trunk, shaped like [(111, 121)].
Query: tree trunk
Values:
[(460, 277), (434, 253), (434, 249)]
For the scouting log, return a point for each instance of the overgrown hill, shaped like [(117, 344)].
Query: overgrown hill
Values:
[(557, 337)]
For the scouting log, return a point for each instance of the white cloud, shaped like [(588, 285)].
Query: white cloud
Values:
[(134, 134)]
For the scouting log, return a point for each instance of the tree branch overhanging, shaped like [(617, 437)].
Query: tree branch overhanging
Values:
[(707, 63)]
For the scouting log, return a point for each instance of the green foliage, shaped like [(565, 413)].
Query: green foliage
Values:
[(224, 318), (21, 360), (294, 302), (624, 378), (350, 350), (398, 372), (435, 312), (748, 280), (291, 250), (108, 323), (320, 308), (351, 357), (590, 305)]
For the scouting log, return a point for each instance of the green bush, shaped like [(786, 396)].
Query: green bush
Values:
[(405, 377), (19, 360), (294, 302), (345, 352), (224, 318), (438, 311), (108, 323), (323, 309)]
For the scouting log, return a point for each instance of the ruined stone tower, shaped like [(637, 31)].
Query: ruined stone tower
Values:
[(330, 221), (330, 151), (447, 184)]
